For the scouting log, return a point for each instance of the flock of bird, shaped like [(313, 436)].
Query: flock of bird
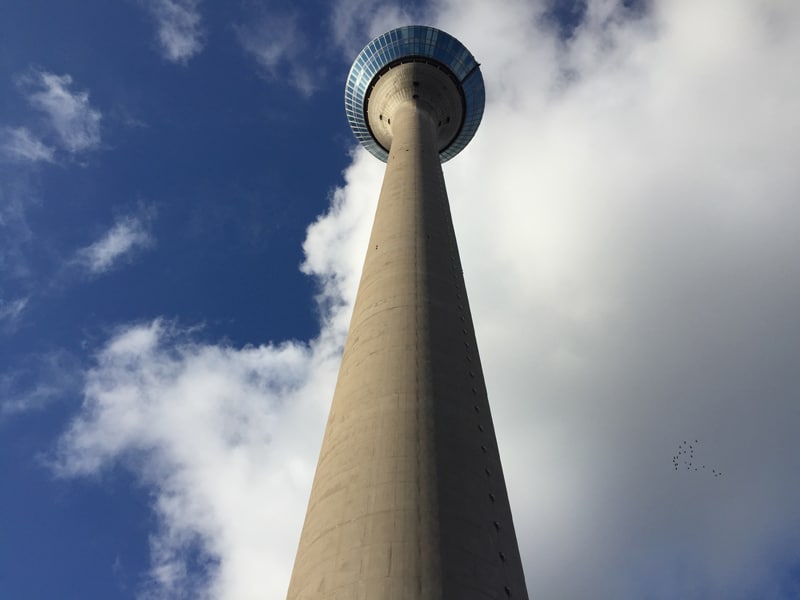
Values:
[(685, 457)]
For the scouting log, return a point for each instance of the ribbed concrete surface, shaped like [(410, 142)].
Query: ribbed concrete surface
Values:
[(409, 501)]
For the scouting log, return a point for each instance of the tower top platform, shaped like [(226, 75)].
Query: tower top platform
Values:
[(448, 77)]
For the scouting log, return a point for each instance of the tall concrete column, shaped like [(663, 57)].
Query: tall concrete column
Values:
[(409, 500)]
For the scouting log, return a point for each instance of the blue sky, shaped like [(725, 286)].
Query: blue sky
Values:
[(183, 216)]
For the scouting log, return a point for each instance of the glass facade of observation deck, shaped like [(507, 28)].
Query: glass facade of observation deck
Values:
[(409, 42)]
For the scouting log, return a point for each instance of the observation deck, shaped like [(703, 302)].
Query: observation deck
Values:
[(420, 64)]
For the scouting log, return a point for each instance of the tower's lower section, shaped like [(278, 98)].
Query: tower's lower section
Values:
[(409, 501)]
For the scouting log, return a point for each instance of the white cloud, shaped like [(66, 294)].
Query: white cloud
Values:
[(73, 118), (71, 125), (126, 236), (627, 221), (20, 144), (629, 248), (180, 30), (214, 430), (228, 438), (276, 42), (335, 245)]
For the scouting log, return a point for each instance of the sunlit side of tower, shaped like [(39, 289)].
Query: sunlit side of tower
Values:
[(409, 500)]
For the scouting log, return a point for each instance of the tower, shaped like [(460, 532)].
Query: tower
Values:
[(409, 501)]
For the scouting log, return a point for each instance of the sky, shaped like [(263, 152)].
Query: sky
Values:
[(183, 218)]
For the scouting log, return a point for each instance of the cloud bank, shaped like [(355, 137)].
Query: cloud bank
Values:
[(627, 221), (214, 430), (227, 438)]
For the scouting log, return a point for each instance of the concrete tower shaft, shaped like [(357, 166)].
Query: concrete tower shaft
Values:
[(409, 500)]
